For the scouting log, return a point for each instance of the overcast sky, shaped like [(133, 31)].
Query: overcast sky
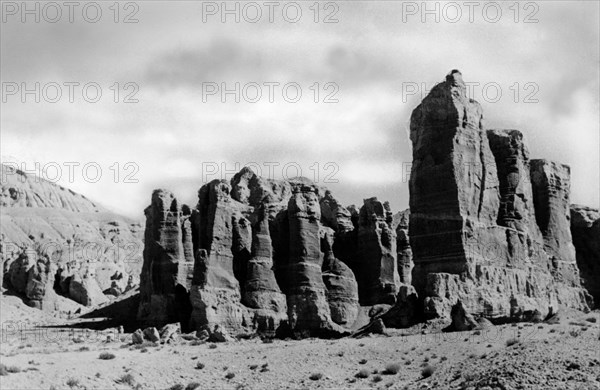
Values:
[(375, 57)]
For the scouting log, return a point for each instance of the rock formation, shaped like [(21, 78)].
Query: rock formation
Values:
[(551, 183), (71, 235), (472, 229), (585, 229), (405, 262), (377, 268), (308, 310), (341, 285), (484, 237), (164, 282)]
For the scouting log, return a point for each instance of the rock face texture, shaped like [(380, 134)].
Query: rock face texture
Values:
[(308, 309), (341, 285), (551, 188), (68, 237), (472, 227), (585, 229), (405, 262), (216, 294), (486, 236), (266, 258), (164, 282), (377, 268)]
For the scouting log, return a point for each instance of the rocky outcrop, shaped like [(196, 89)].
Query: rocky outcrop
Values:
[(85, 290), (472, 228), (308, 309), (551, 183), (585, 229), (164, 282), (377, 269), (76, 235), (341, 285), (261, 288), (216, 294), (405, 262), (461, 319)]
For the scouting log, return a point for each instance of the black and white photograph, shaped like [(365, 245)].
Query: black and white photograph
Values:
[(309, 194)]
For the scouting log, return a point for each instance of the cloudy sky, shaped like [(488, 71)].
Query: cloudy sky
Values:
[(360, 77)]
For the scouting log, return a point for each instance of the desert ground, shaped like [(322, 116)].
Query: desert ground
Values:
[(43, 352)]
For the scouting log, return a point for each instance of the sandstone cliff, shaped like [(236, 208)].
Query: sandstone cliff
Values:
[(472, 228), (585, 228)]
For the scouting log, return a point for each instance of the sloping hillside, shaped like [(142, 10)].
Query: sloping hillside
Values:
[(57, 242)]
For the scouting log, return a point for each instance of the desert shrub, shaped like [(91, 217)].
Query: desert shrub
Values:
[(230, 375), (126, 379), (362, 361), (83, 349), (427, 371), (194, 343), (178, 386), (13, 369), (377, 378), (363, 373), (72, 382), (199, 366), (574, 332), (212, 346), (192, 386), (443, 358), (315, 376), (144, 350), (145, 344), (512, 341), (392, 368), (407, 362), (3, 370), (106, 356)]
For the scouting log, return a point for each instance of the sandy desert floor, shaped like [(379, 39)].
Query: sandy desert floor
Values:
[(513, 356)]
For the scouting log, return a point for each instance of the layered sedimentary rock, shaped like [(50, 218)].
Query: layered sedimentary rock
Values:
[(215, 295), (308, 310), (76, 235), (340, 282), (377, 269), (164, 281), (585, 229), (551, 183), (473, 235), (261, 288)]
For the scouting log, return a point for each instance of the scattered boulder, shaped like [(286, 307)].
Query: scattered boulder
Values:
[(219, 335), (137, 337), (151, 334), (374, 327), (170, 332), (461, 319)]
